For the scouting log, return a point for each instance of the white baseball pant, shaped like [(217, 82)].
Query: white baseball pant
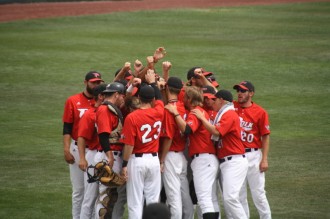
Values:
[(144, 181), (233, 173), (176, 186), (91, 189), (77, 181), (256, 181), (205, 174)]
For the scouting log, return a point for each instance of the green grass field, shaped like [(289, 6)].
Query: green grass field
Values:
[(283, 49)]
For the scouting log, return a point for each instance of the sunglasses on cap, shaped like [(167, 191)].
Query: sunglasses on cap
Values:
[(241, 90)]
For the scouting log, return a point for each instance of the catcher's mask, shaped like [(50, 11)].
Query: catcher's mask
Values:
[(96, 173)]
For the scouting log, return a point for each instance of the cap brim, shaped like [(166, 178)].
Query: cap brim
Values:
[(215, 84), (95, 79), (207, 73), (128, 77), (240, 86), (210, 96)]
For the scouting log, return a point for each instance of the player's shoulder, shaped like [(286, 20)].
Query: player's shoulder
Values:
[(256, 106)]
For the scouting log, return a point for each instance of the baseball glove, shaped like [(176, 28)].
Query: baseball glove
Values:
[(104, 174)]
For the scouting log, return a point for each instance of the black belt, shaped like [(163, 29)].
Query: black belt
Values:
[(175, 151), (141, 154), (221, 160), (197, 155), (251, 149), (99, 150), (117, 153)]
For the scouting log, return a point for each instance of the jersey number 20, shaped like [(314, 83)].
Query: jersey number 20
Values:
[(147, 128)]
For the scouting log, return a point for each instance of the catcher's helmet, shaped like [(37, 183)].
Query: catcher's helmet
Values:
[(115, 87)]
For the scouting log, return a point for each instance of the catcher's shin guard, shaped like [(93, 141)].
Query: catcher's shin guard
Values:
[(108, 203)]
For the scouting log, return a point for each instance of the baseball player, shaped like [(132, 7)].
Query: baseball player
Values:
[(75, 107), (172, 160), (209, 98), (109, 122), (204, 163), (140, 160), (225, 132), (255, 137), (87, 136)]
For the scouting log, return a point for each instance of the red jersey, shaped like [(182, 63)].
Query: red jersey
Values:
[(87, 129), (106, 122), (254, 123), (200, 138), (142, 128), (170, 128), (230, 130), (75, 107)]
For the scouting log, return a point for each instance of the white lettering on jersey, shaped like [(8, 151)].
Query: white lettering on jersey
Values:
[(82, 111), (247, 126)]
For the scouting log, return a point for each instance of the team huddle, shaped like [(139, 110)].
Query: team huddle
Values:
[(191, 140)]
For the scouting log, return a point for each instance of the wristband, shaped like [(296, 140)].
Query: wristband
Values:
[(176, 115), (130, 89), (125, 162)]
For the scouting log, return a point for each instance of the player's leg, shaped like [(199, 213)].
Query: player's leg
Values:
[(152, 183), (172, 183), (243, 198), (233, 174), (134, 187), (256, 181), (205, 172), (118, 210), (187, 205), (77, 181), (91, 190)]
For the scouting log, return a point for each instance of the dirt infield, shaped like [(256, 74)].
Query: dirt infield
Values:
[(12, 12)]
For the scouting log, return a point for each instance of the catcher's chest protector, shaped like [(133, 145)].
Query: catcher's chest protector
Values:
[(115, 134)]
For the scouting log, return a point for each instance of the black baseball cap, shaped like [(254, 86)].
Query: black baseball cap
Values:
[(115, 87), (147, 92), (93, 76), (99, 89), (245, 85), (208, 91), (224, 94), (174, 82)]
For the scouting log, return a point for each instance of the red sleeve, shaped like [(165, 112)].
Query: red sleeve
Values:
[(104, 120), (264, 124), (68, 111), (128, 133), (193, 122)]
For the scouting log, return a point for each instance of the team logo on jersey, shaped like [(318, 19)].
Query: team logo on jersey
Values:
[(190, 122), (122, 136), (247, 126), (267, 127)]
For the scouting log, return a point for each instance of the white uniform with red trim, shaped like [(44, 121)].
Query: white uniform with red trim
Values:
[(141, 130), (175, 168), (255, 123), (204, 164), (233, 164), (75, 107)]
